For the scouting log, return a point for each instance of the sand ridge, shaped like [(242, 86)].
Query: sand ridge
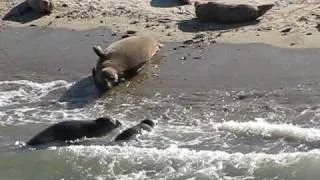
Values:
[(291, 23)]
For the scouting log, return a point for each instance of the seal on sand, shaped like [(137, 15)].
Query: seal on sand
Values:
[(229, 13), (122, 59), (72, 130), (45, 6), (132, 132)]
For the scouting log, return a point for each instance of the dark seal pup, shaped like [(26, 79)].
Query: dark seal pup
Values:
[(131, 133), (72, 130), (122, 59), (229, 13)]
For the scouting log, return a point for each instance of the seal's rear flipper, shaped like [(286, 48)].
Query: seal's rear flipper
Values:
[(99, 52)]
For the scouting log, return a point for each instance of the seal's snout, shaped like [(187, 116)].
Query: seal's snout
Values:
[(46, 6), (262, 9), (148, 122), (110, 77)]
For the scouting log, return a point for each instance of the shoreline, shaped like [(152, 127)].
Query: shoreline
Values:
[(67, 55), (286, 25)]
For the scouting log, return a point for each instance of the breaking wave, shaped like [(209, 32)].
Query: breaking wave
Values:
[(180, 163), (24, 101), (272, 131)]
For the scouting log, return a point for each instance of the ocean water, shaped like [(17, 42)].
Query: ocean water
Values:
[(194, 137)]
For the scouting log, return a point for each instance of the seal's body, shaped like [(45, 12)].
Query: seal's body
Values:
[(122, 59), (72, 130), (229, 13), (45, 6), (133, 132)]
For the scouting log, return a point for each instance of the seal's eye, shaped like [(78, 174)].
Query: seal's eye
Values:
[(108, 76), (111, 77)]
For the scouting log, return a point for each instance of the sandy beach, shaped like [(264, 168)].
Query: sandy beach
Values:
[(290, 23)]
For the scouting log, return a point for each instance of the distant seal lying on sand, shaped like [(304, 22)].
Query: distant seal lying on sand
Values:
[(229, 13), (132, 132), (45, 6), (122, 59), (72, 130)]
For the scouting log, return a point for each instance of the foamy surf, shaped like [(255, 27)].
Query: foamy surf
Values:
[(24, 101), (173, 162), (268, 130), (24, 91)]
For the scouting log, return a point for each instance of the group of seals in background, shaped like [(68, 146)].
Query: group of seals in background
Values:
[(205, 10), (73, 130)]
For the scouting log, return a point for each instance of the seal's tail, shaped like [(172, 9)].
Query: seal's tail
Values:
[(99, 52)]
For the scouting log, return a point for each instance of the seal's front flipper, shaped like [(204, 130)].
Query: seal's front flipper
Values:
[(94, 77)]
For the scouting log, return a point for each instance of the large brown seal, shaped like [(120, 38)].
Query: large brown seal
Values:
[(122, 59), (229, 13), (72, 130), (44, 6)]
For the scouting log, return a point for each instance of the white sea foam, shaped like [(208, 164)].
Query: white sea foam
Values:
[(174, 162), (28, 91), (269, 130), (24, 101)]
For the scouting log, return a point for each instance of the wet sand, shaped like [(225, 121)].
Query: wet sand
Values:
[(40, 54)]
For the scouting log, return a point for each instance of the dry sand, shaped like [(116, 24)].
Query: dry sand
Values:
[(291, 23)]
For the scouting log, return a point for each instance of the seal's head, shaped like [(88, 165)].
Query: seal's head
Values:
[(108, 122), (46, 6), (109, 77), (148, 122), (105, 75)]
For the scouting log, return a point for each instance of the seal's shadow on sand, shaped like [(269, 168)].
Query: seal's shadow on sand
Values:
[(81, 93), (194, 25), (22, 13), (165, 3)]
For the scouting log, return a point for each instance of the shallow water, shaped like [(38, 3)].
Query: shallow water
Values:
[(239, 112)]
